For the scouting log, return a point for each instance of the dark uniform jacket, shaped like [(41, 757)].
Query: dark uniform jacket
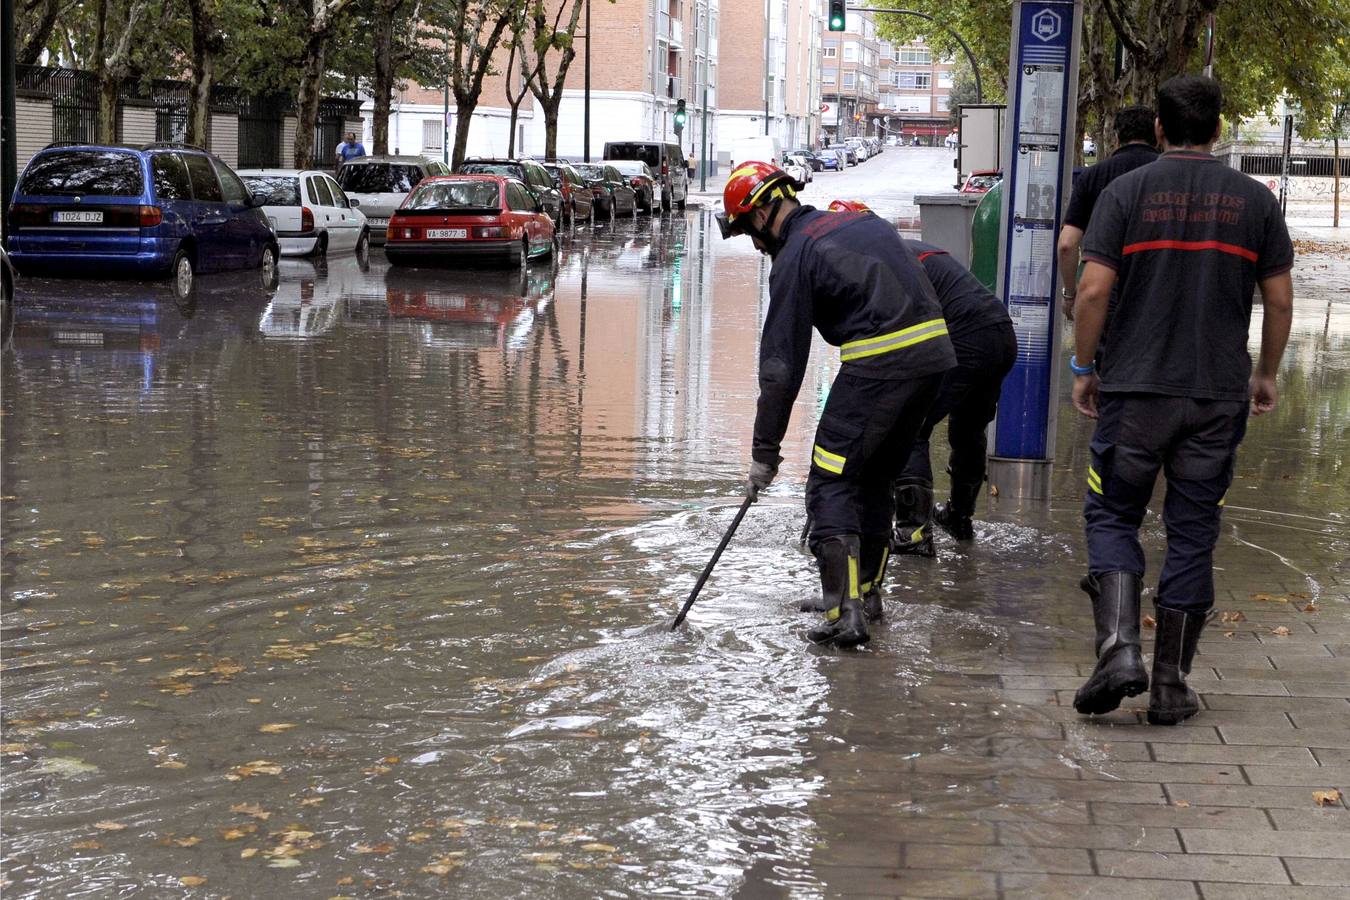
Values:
[(967, 304), (850, 277)]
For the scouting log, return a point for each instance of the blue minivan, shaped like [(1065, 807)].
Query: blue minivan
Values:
[(164, 210)]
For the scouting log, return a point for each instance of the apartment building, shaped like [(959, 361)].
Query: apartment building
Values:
[(771, 84), (850, 78), (915, 87)]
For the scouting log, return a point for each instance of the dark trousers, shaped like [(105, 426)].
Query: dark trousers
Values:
[(1194, 442), (967, 399), (868, 426)]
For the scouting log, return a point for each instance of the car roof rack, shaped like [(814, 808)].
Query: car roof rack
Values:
[(173, 145), (55, 144)]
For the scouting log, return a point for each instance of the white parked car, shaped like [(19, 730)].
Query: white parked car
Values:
[(797, 170), (801, 162), (309, 212), (382, 183), (859, 149)]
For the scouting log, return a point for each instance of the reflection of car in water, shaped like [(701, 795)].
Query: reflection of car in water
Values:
[(469, 310), (311, 296)]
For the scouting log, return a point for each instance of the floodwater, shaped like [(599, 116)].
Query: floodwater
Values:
[(361, 586)]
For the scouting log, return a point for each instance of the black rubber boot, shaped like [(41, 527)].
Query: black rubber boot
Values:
[(955, 516), (876, 552), (844, 624), (1171, 700), (1120, 669), (913, 519)]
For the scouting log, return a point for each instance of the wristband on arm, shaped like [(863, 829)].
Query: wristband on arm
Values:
[(1081, 370)]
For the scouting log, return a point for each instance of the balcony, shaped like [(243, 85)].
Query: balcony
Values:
[(674, 87), (670, 30), (676, 33)]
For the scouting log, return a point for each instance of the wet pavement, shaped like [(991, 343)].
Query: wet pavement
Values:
[(360, 586)]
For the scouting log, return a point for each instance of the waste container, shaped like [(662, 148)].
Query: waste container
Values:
[(984, 237), (945, 221)]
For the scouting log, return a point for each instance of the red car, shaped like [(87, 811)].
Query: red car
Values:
[(451, 218), (980, 182)]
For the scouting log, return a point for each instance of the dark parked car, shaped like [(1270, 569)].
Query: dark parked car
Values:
[(578, 199), (613, 194), (469, 217), (812, 159), (669, 167), (163, 211), (644, 183), (528, 172)]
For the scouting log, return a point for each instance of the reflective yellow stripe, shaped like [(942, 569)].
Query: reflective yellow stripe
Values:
[(1094, 480), (833, 614), (853, 577), (1223, 499), (896, 340), (916, 535), (830, 462)]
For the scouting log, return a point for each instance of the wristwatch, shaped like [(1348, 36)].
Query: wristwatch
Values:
[(1066, 294)]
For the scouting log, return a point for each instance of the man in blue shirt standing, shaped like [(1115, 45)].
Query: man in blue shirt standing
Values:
[(351, 148), (1187, 241)]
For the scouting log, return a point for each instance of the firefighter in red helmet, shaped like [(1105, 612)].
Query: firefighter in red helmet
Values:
[(848, 276)]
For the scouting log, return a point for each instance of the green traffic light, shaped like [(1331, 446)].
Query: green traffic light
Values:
[(836, 24)]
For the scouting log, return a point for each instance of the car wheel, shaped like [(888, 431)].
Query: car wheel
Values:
[(590, 216), (666, 203), (320, 246), (524, 254), (268, 273), (611, 205), (6, 305), (635, 209), (363, 249), (184, 274), (681, 204)]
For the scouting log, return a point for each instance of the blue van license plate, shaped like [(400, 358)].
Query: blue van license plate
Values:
[(81, 217)]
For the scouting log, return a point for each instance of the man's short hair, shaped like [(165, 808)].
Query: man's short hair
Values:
[(1135, 123), (1188, 107)]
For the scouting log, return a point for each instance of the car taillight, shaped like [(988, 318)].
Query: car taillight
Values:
[(21, 214), (665, 169), (489, 231), (151, 216), (306, 219), (637, 182)]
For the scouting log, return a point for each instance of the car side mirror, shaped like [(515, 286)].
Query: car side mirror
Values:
[(353, 203), (256, 199)]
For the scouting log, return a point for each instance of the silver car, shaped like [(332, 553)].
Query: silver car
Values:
[(380, 184)]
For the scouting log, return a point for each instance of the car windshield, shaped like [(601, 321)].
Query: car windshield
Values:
[(378, 178), (70, 173), (630, 168), (455, 195), (595, 173), (647, 153), (277, 190), (510, 170)]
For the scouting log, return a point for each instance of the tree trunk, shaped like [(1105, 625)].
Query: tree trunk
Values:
[(109, 87), (383, 88), (551, 125), (463, 119), (36, 41), (203, 73), (1336, 182), (307, 100)]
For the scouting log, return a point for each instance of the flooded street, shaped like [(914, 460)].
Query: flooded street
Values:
[(361, 586)]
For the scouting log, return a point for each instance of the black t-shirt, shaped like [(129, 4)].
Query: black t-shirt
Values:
[(1189, 239), (1088, 186), (967, 305)]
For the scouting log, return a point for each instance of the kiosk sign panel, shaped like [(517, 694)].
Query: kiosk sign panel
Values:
[(1043, 83)]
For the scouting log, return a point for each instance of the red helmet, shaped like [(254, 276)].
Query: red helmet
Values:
[(849, 206), (752, 184)]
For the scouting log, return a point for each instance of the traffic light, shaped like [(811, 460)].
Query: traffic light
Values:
[(680, 116), (837, 17)]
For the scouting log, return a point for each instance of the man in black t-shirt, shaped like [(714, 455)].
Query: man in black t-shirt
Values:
[(1187, 240), (1134, 131)]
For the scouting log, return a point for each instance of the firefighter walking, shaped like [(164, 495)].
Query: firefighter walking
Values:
[(848, 276)]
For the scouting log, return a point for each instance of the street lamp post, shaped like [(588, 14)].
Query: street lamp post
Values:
[(586, 116)]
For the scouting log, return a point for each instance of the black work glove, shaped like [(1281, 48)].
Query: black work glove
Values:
[(761, 476)]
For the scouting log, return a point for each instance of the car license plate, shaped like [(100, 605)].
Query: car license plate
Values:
[(452, 234), (78, 216), (380, 223)]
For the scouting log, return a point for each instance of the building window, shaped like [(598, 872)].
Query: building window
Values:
[(849, 80), (944, 79), (827, 76), (871, 59), (831, 52), (943, 103), (915, 56), (913, 81), (851, 51), (432, 132)]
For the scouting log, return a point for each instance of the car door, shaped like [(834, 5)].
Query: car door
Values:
[(210, 216), (245, 229), (325, 210), (353, 220)]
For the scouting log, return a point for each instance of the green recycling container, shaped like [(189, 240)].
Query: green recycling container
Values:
[(984, 237)]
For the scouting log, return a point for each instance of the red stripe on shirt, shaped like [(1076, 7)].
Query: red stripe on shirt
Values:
[(927, 253), (1234, 249)]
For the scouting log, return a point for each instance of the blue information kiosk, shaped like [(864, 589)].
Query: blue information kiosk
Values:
[(1037, 166)]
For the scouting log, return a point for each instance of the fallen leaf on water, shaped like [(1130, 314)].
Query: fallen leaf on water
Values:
[(1150, 622), (248, 853), (418, 837), (14, 749), (1182, 804), (275, 727), (1229, 634), (1327, 798), (599, 848), (251, 809), (187, 841), (1311, 607), (1281, 631), (171, 764), (345, 880), (1235, 616), (543, 859), (443, 866), (234, 834), (86, 845), (380, 849), (257, 767), (191, 880), (66, 766), (285, 862), (109, 826), (311, 801)]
